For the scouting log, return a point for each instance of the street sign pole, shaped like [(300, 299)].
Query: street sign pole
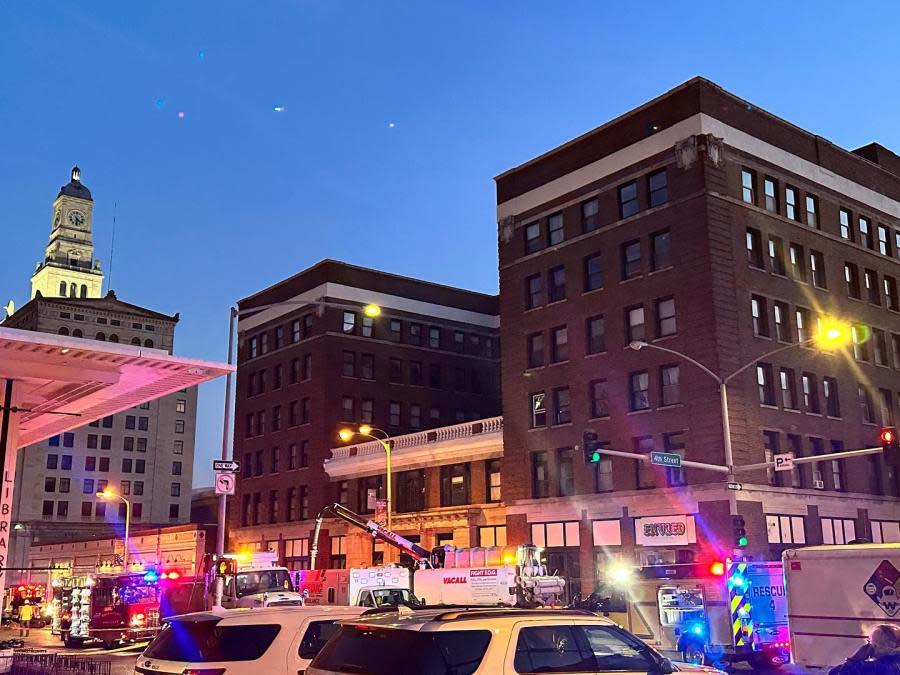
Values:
[(226, 429)]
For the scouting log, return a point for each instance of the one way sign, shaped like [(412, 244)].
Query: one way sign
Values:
[(226, 465)]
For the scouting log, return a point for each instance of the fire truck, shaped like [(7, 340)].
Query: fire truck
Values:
[(513, 576), (719, 612)]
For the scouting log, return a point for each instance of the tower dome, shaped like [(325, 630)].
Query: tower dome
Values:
[(75, 188)]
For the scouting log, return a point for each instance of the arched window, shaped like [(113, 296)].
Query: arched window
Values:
[(63, 331), (77, 333), (62, 289), (148, 343), (136, 341), (113, 338), (73, 290), (101, 336), (83, 290)]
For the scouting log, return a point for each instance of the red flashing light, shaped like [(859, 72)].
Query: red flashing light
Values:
[(717, 569), (173, 575), (888, 436)]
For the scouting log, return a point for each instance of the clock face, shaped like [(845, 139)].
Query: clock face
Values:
[(76, 218)]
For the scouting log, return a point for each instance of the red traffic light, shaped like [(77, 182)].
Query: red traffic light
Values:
[(717, 569), (888, 436), (889, 439)]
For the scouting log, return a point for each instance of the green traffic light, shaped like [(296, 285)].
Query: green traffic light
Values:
[(595, 456), (742, 541)]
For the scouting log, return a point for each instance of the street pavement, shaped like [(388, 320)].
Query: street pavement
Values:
[(122, 658)]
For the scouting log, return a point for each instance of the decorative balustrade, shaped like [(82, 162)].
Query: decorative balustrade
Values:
[(491, 425)]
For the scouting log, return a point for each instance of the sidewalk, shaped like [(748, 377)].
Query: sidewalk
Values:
[(38, 638)]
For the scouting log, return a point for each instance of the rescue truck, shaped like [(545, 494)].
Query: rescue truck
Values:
[(836, 595), (512, 575), (362, 587), (717, 613)]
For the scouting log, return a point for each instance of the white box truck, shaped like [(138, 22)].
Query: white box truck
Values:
[(836, 595)]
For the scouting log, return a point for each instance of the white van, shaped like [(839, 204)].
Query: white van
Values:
[(242, 641)]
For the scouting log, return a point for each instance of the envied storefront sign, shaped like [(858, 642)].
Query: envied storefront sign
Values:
[(665, 531)]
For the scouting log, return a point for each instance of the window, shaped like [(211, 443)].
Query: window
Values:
[(50, 484), (770, 189), (396, 328), (635, 324), (865, 404), (179, 426), (52, 461), (892, 300), (434, 376), (565, 472), (90, 463), (306, 370), (556, 284), (895, 348), (803, 319), (459, 379), (765, 384), (790, 203), (873, 293), (104, 464), (838, 530), (760, 314), (68, 440), (832, 403), (138, 487), (295, 331), (879, 342), (349, 323), (395, 370), (599, 399), (540, 480), (144, 424), (394, 414), (812, 211), (411, 491), (673, 443), (492, 477), (639, 390), (366, 365), (555, 228), (669, 389), (263, 343), (595, 334), (535, 350), (562, 413), (645, 473), (885, 531), (174, 509), (846, 231), (754, 248), (415, 373), (434, 337), (534, 292), (660, 251), (254, 347), (631, 259), (798, 262), (367, 411), (590, 215), (817, 266), (175, 490), (368, 326), (656, 187), (455, 485), (785, 529), (88, 486), (884, 244), (837, 467), (47, 509), (559, 350), (66, 463), (748, 186), (665, 317), (538, 410), (415, 416), (92, 441), (307, 325), (434, 414), (788, 388), (865, 234), (459, 341), (348, 368), (492, 535), (628, 199), (776, 255), (593, 273), (860, 336), (810, 387), (533, 237), (782, 325)]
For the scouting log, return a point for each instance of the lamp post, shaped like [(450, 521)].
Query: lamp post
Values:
[(831, 335), (370, 310), (107, 495), (384, 439)]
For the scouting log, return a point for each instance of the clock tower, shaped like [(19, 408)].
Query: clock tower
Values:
[(68, 269)]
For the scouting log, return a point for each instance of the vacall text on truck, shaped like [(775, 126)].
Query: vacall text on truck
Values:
[(712, 612), (448, 575)]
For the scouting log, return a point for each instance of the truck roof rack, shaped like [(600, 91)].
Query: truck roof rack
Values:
[(480, 612)]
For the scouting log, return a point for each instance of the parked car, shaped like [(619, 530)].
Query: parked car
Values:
[(478, 641), (242, 641)]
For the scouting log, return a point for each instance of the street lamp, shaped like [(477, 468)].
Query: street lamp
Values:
[(108, 495), (346, 435), (831, 334)]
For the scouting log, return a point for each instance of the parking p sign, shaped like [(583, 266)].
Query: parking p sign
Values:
[(784, 461)]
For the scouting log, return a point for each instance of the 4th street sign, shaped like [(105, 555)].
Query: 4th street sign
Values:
[(226, 465), (665, 459)]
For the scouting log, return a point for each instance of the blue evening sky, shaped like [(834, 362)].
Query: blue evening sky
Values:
[(235, 196)]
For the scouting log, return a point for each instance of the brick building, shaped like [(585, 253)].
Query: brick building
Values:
[(699, 223), (316, 363)]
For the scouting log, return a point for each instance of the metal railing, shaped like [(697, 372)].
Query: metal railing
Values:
[(27, 662), (490, 425)]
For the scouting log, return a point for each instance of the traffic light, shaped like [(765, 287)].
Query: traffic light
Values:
[(591, 447), (890, 441), (740, 531)]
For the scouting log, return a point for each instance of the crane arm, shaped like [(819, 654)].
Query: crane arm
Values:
[(375, 529)]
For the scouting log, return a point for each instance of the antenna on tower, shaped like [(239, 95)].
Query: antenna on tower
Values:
[(112, 248)]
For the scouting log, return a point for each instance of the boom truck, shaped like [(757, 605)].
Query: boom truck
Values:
[(511, 575)]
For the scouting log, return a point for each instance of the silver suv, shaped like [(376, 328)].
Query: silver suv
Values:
[(478, 641)]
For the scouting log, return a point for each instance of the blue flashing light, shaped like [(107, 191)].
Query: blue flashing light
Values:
[(151, 576), (738, 581), (697, 629)]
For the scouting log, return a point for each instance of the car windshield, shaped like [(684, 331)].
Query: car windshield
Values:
[(387, 651), (392, 597), (249, 583), (203, 641)]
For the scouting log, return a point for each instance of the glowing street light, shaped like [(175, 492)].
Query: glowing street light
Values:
[(108, 495), (833, 334), (372, 311), (346, 435)]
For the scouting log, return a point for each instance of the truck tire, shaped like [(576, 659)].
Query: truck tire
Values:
[(693, 652), (764, 661)]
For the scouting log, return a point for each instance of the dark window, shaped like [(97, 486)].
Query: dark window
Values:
[(639, 390), (593, 273), (348, 369), (595, 334), (411, 491), (770, 188), (415, 373), (873, 293), (394, 414), (367, 366), (66, 463), (631, 259), (90, 463), (104, 464), (599, 398), (555, 228), (754, 248), (556, 284), (590, 215), (660, 250), (634, 323), (628, 199), (673, 443), (349, 323), (845, 228), (538, 410), (865, 404), (92, 441), (535, 350), (415, 334), (810, 387), (669, 387), (533, 237), (559, 349), (892, 300), (52, 461), (459, 379), (790, 203), (565, 471), (396, 327), (540, 480), (492, 479), (788, 385), (306, 370), (798, 262), (776, 256), (534, 292), (765, 383), (760, 313), (68, 440), (455, 485), (879, 343), (865, 233), (782, 321), (817, 267), (562, 410), (812, 211), (434, 337), (434, 376), (368, 326), (665, 317), (395, 370), (860, 336), (803, 319), (748, 186), (656, 186)]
